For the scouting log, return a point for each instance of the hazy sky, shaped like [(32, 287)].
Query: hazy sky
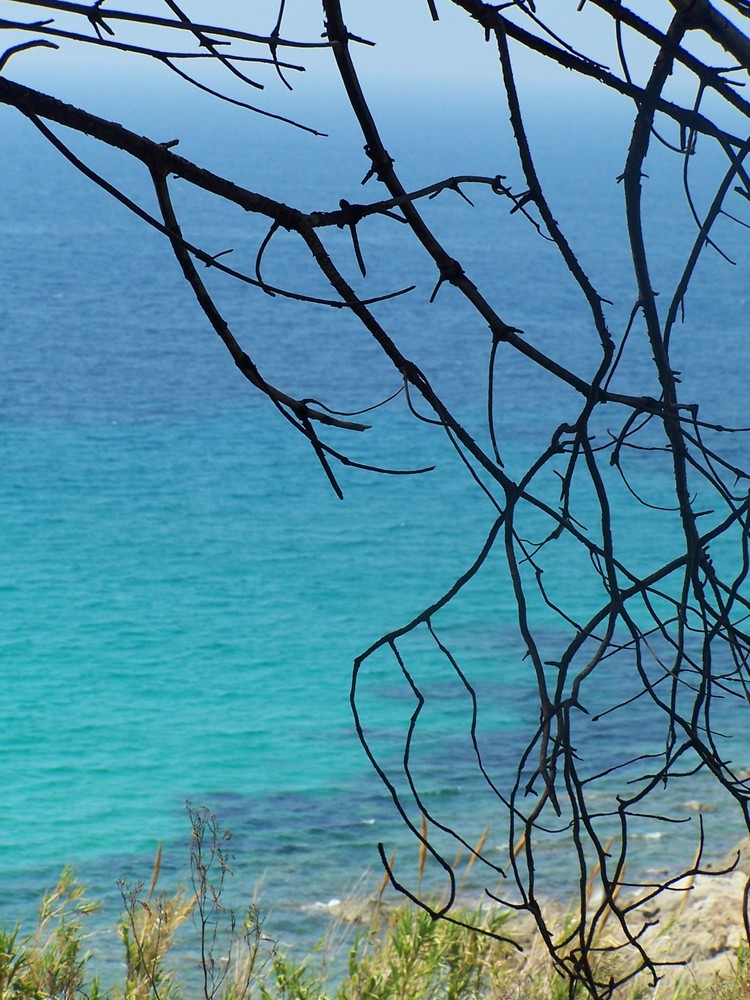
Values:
[(415, 61), (410, 48)]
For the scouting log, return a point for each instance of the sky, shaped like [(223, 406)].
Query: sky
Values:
[(416, 66), (411, 50)]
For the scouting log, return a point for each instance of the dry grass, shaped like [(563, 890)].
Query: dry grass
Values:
[(401, 953)]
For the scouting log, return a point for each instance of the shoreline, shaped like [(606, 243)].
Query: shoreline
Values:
[(693, 932)]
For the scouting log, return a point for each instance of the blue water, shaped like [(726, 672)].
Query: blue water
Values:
[(182, 593)]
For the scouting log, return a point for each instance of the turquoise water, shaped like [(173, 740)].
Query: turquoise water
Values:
[(183, 595)]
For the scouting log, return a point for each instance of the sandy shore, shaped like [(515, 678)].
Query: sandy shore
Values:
[(698, 925)]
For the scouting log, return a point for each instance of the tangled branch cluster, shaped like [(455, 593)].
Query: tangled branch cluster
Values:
[(676, 633)]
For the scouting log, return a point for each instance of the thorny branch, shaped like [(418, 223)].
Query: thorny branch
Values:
[(674, 633)]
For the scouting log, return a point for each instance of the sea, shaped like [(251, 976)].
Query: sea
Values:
[(182, 593)]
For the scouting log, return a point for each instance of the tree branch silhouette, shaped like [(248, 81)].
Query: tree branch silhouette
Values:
[(675, 634)]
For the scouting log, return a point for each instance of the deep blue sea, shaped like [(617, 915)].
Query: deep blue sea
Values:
[(182, 594)]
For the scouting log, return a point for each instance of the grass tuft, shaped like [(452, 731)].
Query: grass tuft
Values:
[(403, 954)]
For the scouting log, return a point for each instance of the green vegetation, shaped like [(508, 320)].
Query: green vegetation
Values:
[(403, 954)]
